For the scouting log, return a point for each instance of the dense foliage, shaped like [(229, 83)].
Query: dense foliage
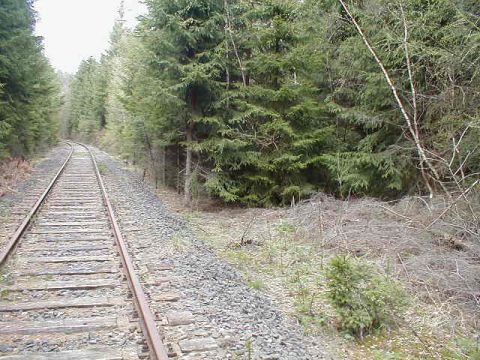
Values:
[(264, 102), (363, 299), (29, 88)]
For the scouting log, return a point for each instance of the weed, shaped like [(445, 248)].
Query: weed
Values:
[(256, 284), (5, 278), (239, 257), (5, 211), (387, 355), (286, 227), (179, 242), (3, 294), (102, 168), (189, 216), (464, 348), (249, 347)]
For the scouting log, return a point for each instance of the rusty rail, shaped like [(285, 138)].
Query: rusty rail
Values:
[(154, 339), (23, 226)]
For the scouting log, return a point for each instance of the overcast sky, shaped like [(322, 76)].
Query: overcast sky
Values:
[(73, 30)]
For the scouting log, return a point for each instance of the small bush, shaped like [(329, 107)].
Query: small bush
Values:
[(463, 348), (363, 298)]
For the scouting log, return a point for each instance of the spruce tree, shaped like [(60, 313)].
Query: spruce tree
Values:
[(29, 88), (88, 92), (183, 36), (275, 128)]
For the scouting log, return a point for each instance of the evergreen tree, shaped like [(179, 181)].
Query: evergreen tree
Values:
[(29, 88), (88, 93), (276, 128), (265, 102), (183, 36)]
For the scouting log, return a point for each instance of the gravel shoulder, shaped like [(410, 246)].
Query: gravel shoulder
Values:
[(245, 266), (221, 316), (16, 203)]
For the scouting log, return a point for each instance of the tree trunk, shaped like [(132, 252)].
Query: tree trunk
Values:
[(228, 29), (188, 165), (164, 166), (151, 155), (178, 170)]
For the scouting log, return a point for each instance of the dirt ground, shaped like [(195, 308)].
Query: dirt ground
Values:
[(12, 171), (432, 249)]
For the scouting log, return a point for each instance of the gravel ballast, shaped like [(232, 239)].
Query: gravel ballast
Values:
[(203, 304), (15, 205)]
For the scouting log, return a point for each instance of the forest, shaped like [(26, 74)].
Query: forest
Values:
[(267, 102), (264, 102), (29, 87)]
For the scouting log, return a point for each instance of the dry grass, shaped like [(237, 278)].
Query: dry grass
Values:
[(12, 171), (434, 252)]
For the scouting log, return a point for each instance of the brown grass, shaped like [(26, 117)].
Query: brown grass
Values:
[(286, 248), (13, 171)]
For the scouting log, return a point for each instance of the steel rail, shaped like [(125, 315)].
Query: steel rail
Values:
[(23, 226), (154, 339)]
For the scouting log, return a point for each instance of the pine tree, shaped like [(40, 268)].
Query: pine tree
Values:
[(88, 93), (29, 88), (183, 36)]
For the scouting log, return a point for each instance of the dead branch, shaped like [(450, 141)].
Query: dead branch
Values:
[(411, 126), (462, 195), (247, 229), (235, 49)]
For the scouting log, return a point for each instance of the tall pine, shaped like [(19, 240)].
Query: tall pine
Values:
[(183, 36), (29, 88)]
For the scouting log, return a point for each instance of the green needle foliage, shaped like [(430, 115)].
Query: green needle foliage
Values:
[(363, 298), (265, 102), (29, 88)]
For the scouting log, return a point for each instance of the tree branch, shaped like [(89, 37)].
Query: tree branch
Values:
[(406, 116)]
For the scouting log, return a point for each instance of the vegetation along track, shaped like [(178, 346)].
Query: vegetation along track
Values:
[(69, 291)]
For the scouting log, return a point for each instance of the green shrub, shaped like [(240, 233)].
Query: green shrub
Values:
[(256, 284), (102, 169), (362, 297)]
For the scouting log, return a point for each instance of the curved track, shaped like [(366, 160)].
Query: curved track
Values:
[(68, 289)]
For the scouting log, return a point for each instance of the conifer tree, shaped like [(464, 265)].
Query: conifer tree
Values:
[(182, 36), (265, 102), (29, 88), (275, 129), (88, 92)]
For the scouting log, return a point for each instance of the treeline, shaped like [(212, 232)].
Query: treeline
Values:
[(29, 88), (265, 102)]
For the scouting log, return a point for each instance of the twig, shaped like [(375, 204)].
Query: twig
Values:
[(242, 239), (452, 204), (398, 214), (408, 120), (404, 267)]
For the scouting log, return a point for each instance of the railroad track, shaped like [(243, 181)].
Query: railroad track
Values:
[(68, 290)]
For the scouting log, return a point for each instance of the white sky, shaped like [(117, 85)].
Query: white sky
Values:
[(74, 30)]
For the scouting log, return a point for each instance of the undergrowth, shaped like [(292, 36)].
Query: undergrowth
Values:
[(297, 262)]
